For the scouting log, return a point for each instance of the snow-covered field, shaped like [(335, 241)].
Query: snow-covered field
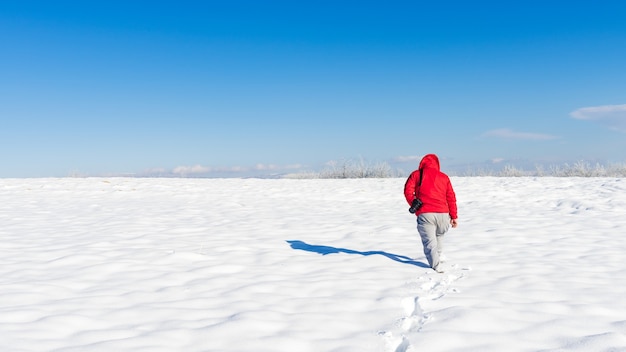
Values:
[(123, 264)]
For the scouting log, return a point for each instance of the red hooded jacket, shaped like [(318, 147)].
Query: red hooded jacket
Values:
[(436, 191)]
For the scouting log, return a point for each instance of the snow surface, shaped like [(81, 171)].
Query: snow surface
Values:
[(124, 264)]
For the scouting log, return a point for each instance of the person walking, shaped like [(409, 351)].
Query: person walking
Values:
[(437, 211)]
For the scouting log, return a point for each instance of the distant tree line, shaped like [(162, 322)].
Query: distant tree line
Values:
[(578, 169), (362, 169)]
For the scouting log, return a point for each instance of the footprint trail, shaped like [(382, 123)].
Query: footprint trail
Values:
[(428, 287)]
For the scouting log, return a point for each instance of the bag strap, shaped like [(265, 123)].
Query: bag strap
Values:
[(419, 189)]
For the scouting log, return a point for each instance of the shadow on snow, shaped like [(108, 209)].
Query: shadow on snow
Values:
[(324, 250)]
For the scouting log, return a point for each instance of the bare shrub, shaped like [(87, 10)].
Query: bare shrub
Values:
[(512, 171), (352, 169)]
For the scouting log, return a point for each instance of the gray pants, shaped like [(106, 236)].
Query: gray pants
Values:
[(432, 227)]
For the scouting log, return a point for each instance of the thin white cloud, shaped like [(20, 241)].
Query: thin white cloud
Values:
[(199, 170), (190, 170), (406, 159), (273, 167), (506, 133), (266, 167), (155, 171), (294, 167), (612, 116)]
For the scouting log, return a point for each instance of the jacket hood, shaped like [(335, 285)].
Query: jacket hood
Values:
[(430, 161)]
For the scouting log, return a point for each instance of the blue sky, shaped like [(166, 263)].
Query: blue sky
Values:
[(240, 88)]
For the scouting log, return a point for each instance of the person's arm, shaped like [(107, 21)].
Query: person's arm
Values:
[(452, 209), (409, 187)]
